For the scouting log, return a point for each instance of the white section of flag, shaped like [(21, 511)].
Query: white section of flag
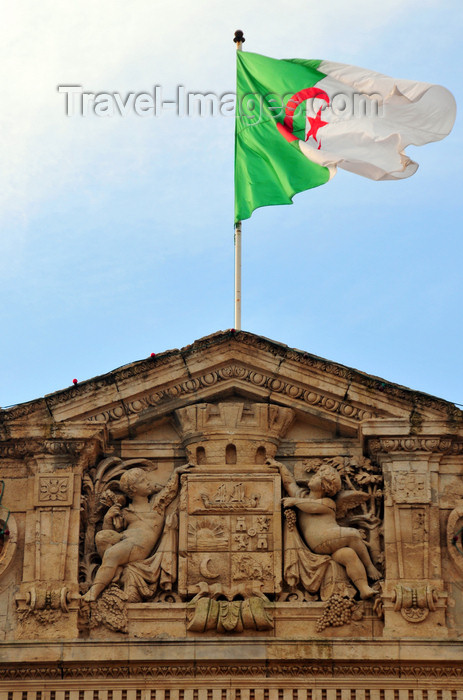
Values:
[(398, 113)]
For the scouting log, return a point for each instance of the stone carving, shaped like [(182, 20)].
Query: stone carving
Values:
[(21, 448), (208, 534), (229, 497), (130, 534), (446, 445), (53, 490), (47, 605), (454, 536), (230, 547), (228, 531), (414, 603), (135, 542), (244, 374), (229, 616), (8, 539), (237, 431), (411, 487), (339, 610), (324, 537), (110, 610), (300, 675), (251, 568)]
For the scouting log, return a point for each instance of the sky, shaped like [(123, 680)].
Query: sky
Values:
[(116, 232)]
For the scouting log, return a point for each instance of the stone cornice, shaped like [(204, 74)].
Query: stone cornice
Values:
[(440, 445), (25, 447), (261, 673), (229, 339), (261, 380)]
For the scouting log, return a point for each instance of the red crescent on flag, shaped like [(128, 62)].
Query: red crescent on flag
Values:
[(286, 129)]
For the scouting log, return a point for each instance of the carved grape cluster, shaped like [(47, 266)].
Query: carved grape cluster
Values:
[(337, 612), (291, 518)]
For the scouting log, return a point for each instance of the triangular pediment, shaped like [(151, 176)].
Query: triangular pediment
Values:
[(328, 399)]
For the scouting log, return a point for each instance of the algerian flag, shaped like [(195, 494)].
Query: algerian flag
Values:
[(298, 120)]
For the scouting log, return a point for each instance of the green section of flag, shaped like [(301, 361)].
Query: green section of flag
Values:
[(269, 169)]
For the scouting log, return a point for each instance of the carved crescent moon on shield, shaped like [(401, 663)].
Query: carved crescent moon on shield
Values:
[(204, 568)]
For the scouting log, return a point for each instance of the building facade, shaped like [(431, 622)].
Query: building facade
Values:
[(236, 520)]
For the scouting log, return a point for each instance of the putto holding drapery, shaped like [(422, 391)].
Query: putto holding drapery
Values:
[(324, 535)]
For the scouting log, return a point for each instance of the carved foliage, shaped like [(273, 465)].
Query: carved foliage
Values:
[(364, 476), (109, 610), (311, 562), (94, 503), (229, 616)]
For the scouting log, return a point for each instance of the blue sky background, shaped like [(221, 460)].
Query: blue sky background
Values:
[(117, 233)]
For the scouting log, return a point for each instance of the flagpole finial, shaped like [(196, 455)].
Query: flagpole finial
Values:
[(239, 38)]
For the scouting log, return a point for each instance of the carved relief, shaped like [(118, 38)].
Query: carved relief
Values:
[(208, 534), (228, 533), (414, 603), (110, 610), (137, 543), (53, 490), (237, 432), (229, 497), (252, 568), (17, 449), (411, 487), (325, 552), (243, 374), (8, 539), (45, 605), (230, 545), (447, 445), (229, 616), (339, 610), (455, 537)]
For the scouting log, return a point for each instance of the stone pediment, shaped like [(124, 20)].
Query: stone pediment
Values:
[(231, 490), (331, 398)]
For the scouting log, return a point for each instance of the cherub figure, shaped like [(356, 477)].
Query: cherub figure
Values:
[(130, 533), (317, 511)]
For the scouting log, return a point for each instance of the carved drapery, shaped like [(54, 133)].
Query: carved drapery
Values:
[(224, 547)]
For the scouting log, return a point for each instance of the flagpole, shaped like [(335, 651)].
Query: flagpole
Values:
[(239, 41)]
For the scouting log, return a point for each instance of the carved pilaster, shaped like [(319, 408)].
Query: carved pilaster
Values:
[(47, 598), (414, 590)]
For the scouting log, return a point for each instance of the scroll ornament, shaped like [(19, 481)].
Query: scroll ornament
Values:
[(414, 604)]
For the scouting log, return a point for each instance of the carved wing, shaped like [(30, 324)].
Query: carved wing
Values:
[(346, 500)]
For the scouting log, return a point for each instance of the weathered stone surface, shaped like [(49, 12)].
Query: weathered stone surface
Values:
[(233, 510)]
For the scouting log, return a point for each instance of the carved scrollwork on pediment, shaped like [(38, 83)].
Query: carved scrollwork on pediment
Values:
[(233, 371)]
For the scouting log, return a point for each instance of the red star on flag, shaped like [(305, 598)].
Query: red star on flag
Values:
[(315, 124)]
